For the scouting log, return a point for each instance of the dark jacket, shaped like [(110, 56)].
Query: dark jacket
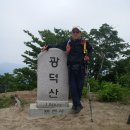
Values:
[(76, 55)]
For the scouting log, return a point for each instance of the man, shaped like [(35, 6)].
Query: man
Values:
[(76, 59)]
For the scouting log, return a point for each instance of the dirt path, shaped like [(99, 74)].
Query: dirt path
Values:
[(106, 116)]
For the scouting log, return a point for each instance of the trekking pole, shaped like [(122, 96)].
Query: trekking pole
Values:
[(89, 93)]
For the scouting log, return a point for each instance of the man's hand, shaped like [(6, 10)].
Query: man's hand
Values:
[(44, 48), (86, 58), (68, 48)]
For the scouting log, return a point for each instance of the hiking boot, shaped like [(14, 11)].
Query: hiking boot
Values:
[(73, 107), (78, 109), (81, 106)]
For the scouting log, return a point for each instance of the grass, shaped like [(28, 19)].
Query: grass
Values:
[(6, 102)]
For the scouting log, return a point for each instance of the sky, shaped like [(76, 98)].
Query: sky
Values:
[(34, 15)]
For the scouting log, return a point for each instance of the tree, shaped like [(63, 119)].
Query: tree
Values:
[(122, 69), (25, 78), (7, 83), (47, 37), (108, 47)]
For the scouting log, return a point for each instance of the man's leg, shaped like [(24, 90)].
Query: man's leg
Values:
[(74, 88), (80, 84), (80, 79)]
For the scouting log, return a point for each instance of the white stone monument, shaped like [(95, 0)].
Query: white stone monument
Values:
[(52, 84)]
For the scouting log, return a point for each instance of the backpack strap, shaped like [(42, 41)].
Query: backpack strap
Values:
[(86, 58), (84, 43)]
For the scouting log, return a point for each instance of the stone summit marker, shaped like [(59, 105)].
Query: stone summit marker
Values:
[(52, 84)]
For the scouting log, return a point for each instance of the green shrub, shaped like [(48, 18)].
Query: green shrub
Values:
[(111, 92), (94, 87), (126, 96), (5, 102), (125, 81), (84, 92), (94, 84), (24, 102)]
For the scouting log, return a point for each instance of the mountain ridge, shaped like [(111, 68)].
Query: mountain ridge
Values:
[(9, 67)]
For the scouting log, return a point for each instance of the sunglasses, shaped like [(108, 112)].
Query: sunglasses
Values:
[(75, 31)]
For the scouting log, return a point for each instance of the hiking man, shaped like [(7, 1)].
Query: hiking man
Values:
[(78, 52)]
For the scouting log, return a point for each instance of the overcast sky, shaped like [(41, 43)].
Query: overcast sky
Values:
[(34, 15)]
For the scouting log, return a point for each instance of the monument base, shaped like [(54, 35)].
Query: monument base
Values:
[(34, 111)]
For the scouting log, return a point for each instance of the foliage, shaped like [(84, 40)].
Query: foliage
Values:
[(120, 73), (111, 92), (24, 102), (95, 86), (5, 102), (84, 92), (21, 79), (25, 78), (123, 66), (108, 47), (105, 40), (47, 37), (122, 69), (124, 80), (7, 83)]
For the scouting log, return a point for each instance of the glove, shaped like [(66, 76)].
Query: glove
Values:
[(86, 58), (44, 48)]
